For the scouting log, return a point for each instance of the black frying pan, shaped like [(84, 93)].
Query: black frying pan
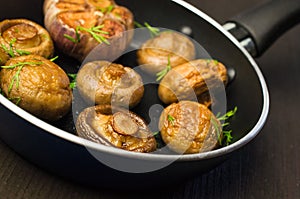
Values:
[(56, 148)]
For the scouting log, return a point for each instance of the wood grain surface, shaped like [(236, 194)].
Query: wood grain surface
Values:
[(268, 167)]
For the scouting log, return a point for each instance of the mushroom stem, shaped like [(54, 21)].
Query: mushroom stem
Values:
[(123, 124)]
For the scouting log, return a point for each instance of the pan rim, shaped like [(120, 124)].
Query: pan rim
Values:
[(161, 157)]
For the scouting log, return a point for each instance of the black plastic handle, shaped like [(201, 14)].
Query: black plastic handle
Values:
[(264, 24)]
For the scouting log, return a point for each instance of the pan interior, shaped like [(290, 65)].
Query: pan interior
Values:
[(245, 91)]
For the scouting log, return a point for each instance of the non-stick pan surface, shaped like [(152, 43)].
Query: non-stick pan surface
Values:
[(56, 148)]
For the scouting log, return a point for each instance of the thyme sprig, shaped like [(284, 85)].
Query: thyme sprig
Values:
[(162, 73), (224, 136), (16, 78), (96, 32), (153, 31), (10, 50)]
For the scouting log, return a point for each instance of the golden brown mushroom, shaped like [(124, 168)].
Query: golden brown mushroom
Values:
[(192, 80), (170, 46), (189, 127), (37, 85), (113, 126), (22, 37), (103, 82), (77, 27)]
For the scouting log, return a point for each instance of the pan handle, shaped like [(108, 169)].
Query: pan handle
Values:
[(259, 27)]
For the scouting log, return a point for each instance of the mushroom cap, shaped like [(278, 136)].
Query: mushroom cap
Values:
[(156, 52), (189, 127), (103, 82), (41, 87), (62, 19), (25, 37), (193, 81)]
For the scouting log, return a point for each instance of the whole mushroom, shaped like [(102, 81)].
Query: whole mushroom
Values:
[(193, 80), (189, 127), (117, 127), (77, 27), (37, 85), (23, 37), (103, 82), (167, 48)]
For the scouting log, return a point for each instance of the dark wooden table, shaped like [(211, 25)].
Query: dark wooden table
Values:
[(268, 167)]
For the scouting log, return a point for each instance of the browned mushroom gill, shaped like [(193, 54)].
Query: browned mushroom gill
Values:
[(113, 126), (77, 27), (23, 37)]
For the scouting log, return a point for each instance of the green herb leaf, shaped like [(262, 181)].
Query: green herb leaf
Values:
[(227, 137), (160, 75), (153, 31), (224, 136), (156, 133), (15, 80), (227, 115), (54, 58), (171, 119), (74, 40), (10, 50), (208, 61), (96, 32), (73, 80), (16, 99), (22, 52), (107, 10)]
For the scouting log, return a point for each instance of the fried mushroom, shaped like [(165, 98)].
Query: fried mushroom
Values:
[(117, 127), (189, 127), (193, 81), (77, 27), (37, 85), (169, 46), (23, 37), (103, 82)]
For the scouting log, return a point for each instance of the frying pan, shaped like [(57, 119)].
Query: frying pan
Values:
[(57, 149)]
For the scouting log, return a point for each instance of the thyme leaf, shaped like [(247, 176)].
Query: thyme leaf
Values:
[(73, 80), (22, 52), (54, 58), (74, 40), (107, 10), (10, 50), (153, 31), (162, 73), (171, 119), (16, 78), (224, 136), (94, 31), (216, 62)]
